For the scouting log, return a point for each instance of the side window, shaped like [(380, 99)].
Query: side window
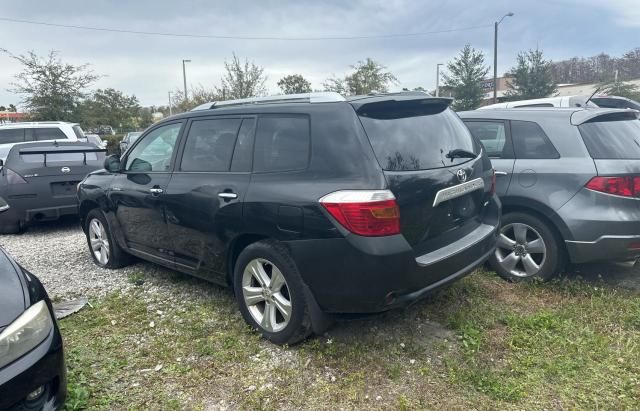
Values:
[(40, 134), (492, 135), (530, 141), (11, 135), (282, 143), (209, 145), (155, 150), (243, 153)]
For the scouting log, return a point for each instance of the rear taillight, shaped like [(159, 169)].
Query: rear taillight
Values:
[(626, 186), (13, 177), (370, 213)]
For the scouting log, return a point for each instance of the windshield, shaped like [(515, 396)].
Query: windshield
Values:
[(616, 139), (409, 136)]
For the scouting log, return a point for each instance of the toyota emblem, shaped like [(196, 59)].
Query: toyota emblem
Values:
[(67, 169), (462, 175)]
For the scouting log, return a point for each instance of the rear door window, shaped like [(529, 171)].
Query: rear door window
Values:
[(40, 134), (618, 138), (243, 152), (282, 143), (531, 142), (413, 136), (209, 145), (8, 136), (493, 137)]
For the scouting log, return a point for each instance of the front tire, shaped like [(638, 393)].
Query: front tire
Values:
[(270, 293), (527, 249), (104, 250)]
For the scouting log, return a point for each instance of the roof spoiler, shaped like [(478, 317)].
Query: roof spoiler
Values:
[(583, 116)]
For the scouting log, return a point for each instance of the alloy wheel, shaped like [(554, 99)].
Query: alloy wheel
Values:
[(520, 250), (99, 241), (266, 295)]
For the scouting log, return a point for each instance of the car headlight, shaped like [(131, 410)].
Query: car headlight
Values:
[(25, 333)]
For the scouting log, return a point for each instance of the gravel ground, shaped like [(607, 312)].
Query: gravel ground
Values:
[(57, 253)]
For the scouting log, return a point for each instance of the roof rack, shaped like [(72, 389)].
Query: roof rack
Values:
[(317, 97)]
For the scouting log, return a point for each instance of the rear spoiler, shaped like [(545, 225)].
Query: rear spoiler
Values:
[(589, 115), (57, 150)]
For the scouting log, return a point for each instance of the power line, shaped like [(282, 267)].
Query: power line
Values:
[(226, 37)]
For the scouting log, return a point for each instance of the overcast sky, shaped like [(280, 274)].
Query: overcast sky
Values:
[(149, 66)]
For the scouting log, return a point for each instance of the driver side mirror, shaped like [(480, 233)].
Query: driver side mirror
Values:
[(112, 163)]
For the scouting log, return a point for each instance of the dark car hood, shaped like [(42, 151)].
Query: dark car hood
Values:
[(12, 298)]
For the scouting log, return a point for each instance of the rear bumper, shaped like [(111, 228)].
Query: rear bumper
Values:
[(358, 275), (41, 207), (607, 247)]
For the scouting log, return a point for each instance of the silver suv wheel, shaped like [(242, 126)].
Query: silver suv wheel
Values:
[(99, 241), (520, 250), (266, 295)]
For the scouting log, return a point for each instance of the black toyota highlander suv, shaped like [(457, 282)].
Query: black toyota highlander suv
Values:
[(307, 205)]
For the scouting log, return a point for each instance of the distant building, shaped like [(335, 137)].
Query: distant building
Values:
[(583, 89), (12, 117)]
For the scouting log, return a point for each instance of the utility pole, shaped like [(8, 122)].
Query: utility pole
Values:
[(495, 57), (170, 112), (438, 79), (184, 77)]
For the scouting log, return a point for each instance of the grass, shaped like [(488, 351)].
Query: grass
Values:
[(481, 343)]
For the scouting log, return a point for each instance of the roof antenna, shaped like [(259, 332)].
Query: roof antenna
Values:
[(591, 96)]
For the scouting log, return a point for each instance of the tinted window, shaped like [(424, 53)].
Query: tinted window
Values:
[(530, 141), (491, 134), (209, 145), (535, 105), (40, 134), (612, 139), (57, 158), (155, 151), (242, 155), (11, 136), (282, 143), (414, 136)]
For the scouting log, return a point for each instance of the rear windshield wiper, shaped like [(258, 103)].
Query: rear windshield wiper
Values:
[(460, 153)]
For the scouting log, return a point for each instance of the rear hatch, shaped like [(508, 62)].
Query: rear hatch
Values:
[(613, 141), (432, 164), (61, 165)]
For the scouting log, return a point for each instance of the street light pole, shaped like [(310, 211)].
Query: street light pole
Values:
[(184, 77), (438, 79), (170, 112), (495, 57)]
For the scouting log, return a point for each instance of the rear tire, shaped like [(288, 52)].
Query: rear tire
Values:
[(527, 249), (270, 293), (104, 250)]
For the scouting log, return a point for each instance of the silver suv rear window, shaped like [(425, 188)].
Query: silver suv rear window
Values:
[(615, 138)]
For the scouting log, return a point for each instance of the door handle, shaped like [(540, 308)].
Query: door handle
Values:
[(500, 173), (228, 196), (156, 190)]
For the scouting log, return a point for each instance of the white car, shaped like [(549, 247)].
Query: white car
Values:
[(565, 101), (13, 133)]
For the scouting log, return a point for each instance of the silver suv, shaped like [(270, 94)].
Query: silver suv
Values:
[(569, 182)]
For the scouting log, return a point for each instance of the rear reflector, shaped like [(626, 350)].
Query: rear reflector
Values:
[(626, 186), (370, 213)]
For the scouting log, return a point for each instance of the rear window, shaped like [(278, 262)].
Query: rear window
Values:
[(412, 135), (58, 157), (8, 136), (613, 139), (78, 132)]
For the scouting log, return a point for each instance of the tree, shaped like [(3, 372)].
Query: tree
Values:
[(368, 76), (197, 96), (109, 107), (242, 80), (532, 77), (337, 85), (3, 108), (294, 84), (464, 77), (12, 108), (51, 89), (622, 89)]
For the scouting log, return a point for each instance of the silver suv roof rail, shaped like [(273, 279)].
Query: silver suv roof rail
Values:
[(317, 97)]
